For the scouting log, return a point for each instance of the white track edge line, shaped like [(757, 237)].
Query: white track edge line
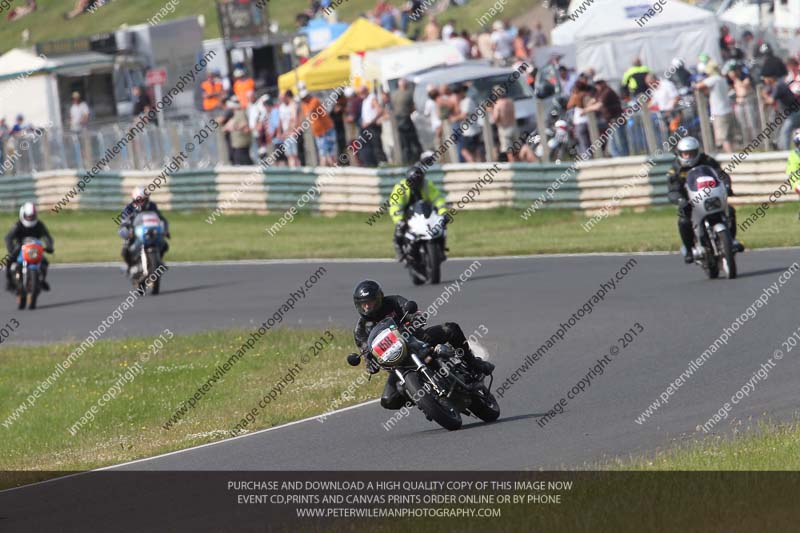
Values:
[(183, 450), (246, 262)]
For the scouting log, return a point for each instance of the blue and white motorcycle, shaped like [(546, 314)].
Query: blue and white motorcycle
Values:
[(149, 234)]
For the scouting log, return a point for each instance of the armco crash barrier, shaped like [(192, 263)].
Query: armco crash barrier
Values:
[(592, 186)]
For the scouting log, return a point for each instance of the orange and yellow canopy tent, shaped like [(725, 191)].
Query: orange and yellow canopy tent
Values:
[(331, 67)]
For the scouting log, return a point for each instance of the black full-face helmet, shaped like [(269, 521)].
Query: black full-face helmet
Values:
[(368, 298), (414, 178)]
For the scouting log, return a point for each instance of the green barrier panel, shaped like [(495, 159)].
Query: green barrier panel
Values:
[(530, 181), (104, 191), (15, 190), (389, 177), (193, 189), (286, 186)]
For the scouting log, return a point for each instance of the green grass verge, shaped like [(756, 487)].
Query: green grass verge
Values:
[(766, 447), (46, 23), (91, 236), (130, 426)]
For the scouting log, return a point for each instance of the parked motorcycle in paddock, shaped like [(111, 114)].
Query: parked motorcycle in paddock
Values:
[(148, 241), (714, 248), (28, 273), (434, 378), (424, 243)]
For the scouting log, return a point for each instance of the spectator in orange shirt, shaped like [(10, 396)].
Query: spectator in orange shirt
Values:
[(322, 127), (242, 87), (212, 92)]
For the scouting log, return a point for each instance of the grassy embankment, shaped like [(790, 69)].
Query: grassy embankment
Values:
[(91, 236)]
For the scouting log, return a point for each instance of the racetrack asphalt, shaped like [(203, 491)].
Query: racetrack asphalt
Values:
[(521, 302)]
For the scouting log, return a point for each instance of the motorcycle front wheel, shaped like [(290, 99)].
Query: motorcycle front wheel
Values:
[(33, 290), (22, 298), (436, 409), (153, 262), (727, 261), (433, 262), (484, 406)]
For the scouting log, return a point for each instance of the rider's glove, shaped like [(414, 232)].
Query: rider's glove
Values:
[(372, 365), (167, 235), (400, 228)]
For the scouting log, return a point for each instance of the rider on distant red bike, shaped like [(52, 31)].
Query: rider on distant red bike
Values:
[(28, 226)]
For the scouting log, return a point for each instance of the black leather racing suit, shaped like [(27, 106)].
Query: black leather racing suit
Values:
[(19, 233), (393, 307), (128, 215), (676, 186)]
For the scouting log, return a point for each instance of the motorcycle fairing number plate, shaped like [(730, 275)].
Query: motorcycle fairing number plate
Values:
[(150, 219), (387, 346), (706, 182)]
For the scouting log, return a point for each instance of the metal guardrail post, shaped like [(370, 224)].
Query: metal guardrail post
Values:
[(541, 126), (86, 149), (488, 140), (594, 132), (45, 142), (452, 151), (762, 116), (222, 150), (310, 146), (649, 129), (396, 156), (705, 122)]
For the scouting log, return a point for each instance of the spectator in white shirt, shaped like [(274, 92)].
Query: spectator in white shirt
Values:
[(472, 141), (502, 42), (665, 94), (720, 105), (78, 113), (449, 29), (371, 129), (432, 113), (462, 45)]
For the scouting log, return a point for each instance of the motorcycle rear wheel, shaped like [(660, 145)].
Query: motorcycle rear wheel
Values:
[(436, 409)]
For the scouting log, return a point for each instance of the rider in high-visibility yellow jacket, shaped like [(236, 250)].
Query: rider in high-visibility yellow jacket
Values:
[(633, 79), (407, 192), (793, 163)]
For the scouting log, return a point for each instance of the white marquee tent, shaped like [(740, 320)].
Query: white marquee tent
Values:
[(607, 37)]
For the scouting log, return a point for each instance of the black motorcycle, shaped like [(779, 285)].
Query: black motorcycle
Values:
[(434, 378)]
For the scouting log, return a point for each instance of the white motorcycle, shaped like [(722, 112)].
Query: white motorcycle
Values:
[(424, 243), (714, 247)]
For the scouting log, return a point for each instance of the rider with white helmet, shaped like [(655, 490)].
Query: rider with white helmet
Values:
[(689, 156), (28, 226), (140, 203)]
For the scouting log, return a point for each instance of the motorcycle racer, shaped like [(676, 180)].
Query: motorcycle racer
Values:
[(140, 203), (373, 306), (408, 191), (28, 226), (689, 156)]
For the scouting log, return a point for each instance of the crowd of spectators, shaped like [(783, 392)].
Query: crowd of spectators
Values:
[(731, 91)]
